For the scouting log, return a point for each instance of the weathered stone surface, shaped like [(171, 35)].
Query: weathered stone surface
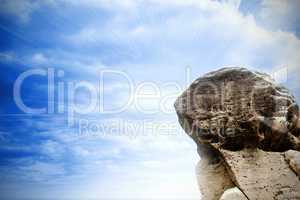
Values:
[(212, 179), (293, 159), (244, 124), (262, 175), (238, 108), (233, 194)]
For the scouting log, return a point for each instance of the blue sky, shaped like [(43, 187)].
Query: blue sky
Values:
[(149, 42)]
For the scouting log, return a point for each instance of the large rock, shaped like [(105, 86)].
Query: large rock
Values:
[(241, 121), (293, 159), (262, 175), (237, 108), (213, 179)]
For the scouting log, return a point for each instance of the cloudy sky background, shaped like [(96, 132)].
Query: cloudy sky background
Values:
[(42, 156)]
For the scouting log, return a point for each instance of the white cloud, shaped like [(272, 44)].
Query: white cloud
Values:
[(216, 30), (39, 58), (53, 149), (7, 56), (39, 171), (21, 9), (106, 4), (211, 26), (280, 14)]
